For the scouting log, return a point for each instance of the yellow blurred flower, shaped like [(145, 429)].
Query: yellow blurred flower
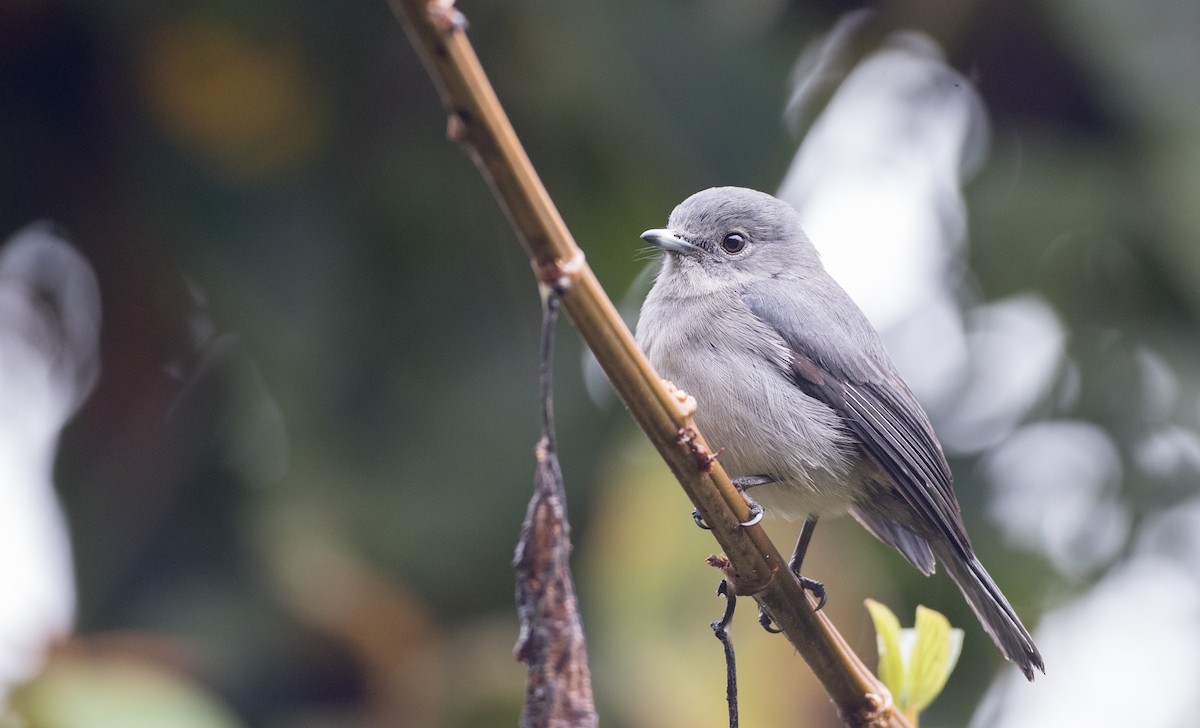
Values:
[(247, 107)]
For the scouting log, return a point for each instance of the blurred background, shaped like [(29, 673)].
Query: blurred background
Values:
[(269, 342)]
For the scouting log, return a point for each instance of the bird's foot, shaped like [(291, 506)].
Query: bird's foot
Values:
[(756, 512), (767, 622), (744, 484), (812, 585), (817, 589), (756, 515)]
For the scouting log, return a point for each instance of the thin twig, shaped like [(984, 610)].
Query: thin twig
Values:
[(550, 303), (477, 120), (720, 628)]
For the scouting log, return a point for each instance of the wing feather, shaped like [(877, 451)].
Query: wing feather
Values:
[(891, 428)]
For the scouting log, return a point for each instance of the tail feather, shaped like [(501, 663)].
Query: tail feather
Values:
[(992, 609)]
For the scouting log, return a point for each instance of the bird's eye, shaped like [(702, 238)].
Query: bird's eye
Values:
[(733, 243)]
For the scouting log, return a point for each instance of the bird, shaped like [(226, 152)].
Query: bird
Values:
[(795, 387)]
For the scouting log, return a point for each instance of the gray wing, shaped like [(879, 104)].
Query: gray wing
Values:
[(913, 547), (838, 359)]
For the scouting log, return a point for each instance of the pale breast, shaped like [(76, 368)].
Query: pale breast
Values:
[(736, 369)]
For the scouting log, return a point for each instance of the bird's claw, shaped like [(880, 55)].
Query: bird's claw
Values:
[(812, 585), (756, 512), (756, 515), (742, 484), (816, 587), (767, 622)]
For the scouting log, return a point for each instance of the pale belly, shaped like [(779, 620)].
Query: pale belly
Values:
[(772, 429)]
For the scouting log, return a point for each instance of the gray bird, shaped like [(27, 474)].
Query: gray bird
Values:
[(795, 385)]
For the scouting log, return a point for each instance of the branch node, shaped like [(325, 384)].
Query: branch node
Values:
[(705, 458), (712, 458), (686, 402), (718, 561), (560, 275), (876, 711), (456, 127), (736, 583), (446, 17)]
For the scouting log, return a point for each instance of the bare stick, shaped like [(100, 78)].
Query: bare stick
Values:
[(720, 628), (756, 569)]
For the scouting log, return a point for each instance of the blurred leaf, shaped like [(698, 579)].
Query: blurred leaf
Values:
[(77, 691)]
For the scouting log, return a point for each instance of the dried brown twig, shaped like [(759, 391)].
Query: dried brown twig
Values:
[(559, 690), (478, 122)]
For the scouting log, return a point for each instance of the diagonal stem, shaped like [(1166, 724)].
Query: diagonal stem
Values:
[(477, 120)]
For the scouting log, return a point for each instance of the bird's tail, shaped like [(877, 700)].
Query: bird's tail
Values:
[(992, 609)]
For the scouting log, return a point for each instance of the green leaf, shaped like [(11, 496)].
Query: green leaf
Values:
[(85, 690), (935, 652), (887, 640), (914, 663)]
